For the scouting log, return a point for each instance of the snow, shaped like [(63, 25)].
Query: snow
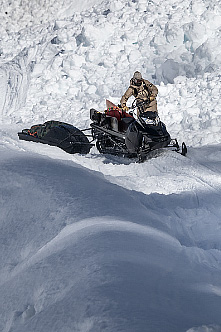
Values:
[(95, 242)]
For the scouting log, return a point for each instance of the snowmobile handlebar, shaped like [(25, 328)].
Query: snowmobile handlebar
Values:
[(140, 103), (137, 103)]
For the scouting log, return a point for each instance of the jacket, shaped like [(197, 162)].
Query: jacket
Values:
[(142, 92)]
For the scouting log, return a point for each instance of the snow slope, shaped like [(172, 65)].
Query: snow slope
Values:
[(96, 242)]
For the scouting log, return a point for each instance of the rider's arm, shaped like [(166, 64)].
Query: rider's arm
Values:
[(153, 91), (126, 96)]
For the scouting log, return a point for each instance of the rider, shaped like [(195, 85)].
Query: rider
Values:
[(142, 90)]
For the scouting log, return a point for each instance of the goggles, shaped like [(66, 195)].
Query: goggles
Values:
[(137, 81)]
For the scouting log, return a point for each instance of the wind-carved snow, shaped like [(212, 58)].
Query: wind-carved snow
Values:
[(14, 81), (97, 242), (84, 233)]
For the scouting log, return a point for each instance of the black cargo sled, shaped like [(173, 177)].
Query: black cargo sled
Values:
[(60, 134)]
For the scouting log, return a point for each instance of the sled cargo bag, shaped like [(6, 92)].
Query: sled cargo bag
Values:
[(114, 112), (40, 130), (60, 134)]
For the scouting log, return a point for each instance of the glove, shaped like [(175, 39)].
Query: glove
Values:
[(152, 98), (125, 108)]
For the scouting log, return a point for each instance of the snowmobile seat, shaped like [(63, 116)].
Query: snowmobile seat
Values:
[(115, 112)]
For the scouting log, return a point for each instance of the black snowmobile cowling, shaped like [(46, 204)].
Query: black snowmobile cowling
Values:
[(60, 134)]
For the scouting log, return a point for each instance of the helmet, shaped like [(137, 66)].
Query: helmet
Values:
[(137, 78)]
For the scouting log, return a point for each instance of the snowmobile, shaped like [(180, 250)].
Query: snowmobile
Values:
[(131, 137), (114, 131)]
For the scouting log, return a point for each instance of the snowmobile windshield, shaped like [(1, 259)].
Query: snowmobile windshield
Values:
[(154, 121)]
